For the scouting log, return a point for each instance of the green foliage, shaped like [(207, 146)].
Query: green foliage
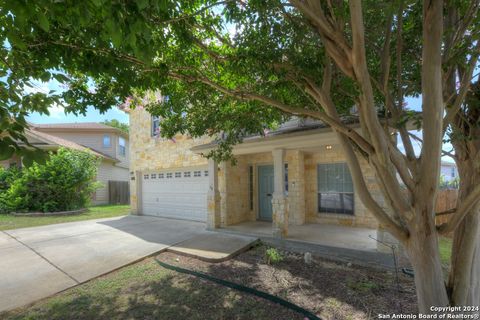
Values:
[(64, 182), (7, 177), (449, 184), (117, 124), (212, 58), (273, 256)]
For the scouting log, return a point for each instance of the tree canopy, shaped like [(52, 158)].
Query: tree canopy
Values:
[(117, 124)]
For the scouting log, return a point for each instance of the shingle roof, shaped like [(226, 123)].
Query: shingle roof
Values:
[(53, 140), (76, 125)]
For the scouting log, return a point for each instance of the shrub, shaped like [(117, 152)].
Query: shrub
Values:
[(7, 177), (64, 182), (273, 256)]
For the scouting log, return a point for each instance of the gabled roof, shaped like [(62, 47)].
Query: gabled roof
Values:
[(76, 125), (48, 141), (80, 126)]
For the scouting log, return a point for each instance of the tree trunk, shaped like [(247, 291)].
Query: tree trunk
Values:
[(464, 278), (422, 249)]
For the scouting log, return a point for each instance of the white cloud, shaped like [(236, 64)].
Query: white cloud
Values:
[(56, 111)]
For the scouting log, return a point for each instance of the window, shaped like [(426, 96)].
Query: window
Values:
[(107, 143), (155, 126), (169, 175), (122, 148), (250, 186), (178, 174), (160, 176), (205, 173), (197, 173), (286, 179), (145, 176), (153, 176), (186, 174), (335, 189)]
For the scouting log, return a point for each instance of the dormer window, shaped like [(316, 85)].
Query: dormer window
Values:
[(107, 143), (155, 126)]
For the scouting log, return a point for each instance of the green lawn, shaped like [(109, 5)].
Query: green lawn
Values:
[(445, 245), (148, 291), (11, 222)]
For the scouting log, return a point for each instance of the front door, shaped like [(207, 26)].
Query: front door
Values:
[(265, 191)]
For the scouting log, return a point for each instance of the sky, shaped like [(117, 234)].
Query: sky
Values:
[(57, 113)]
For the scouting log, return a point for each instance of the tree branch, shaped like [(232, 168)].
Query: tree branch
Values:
[(462, 210), (248, 96), (452, 110)]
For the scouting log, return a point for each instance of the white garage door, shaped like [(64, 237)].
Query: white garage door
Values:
[(179, 194)]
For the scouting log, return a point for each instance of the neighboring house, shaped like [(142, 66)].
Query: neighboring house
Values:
[(449, 171), (108, 143), (293, 176)]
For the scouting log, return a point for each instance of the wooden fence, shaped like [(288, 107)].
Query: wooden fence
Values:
[(446, 200), (118, 192)]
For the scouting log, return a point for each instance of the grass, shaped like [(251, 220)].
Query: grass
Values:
[(148, 291), (106, 211), (445, 246)]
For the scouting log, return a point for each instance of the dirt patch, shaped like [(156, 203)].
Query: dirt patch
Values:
[(329, 289)]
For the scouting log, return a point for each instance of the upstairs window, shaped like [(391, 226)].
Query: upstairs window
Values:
[(155, 126), (122, 148), (107, 143), (286, 179)]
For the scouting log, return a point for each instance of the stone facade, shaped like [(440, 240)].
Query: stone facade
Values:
[(149, 153), (237, 197)]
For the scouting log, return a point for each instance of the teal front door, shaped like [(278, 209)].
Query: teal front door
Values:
[(265, 192)]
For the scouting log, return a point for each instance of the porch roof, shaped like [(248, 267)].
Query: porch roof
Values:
[(299, 139)]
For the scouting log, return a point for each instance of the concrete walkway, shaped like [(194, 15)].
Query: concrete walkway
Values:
[(38, 262), (349, 244)]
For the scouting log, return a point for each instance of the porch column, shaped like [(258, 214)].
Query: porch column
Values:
[(279, 200), (213, 196)]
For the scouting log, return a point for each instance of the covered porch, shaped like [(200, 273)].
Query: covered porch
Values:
[(334, 236), (275, 190)]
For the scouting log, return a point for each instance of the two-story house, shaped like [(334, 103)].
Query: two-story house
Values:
[(294, 176), (108, 143)]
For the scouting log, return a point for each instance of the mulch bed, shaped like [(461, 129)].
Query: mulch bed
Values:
[(330, 289)]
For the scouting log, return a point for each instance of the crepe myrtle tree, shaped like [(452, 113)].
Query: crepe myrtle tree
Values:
[(238, 67)]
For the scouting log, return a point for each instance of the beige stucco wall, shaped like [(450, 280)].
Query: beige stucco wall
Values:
[(149, 153)]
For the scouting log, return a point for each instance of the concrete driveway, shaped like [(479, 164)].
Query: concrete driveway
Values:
[(38, 262)]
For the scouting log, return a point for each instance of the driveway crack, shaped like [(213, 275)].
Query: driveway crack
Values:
[(41, 256)]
